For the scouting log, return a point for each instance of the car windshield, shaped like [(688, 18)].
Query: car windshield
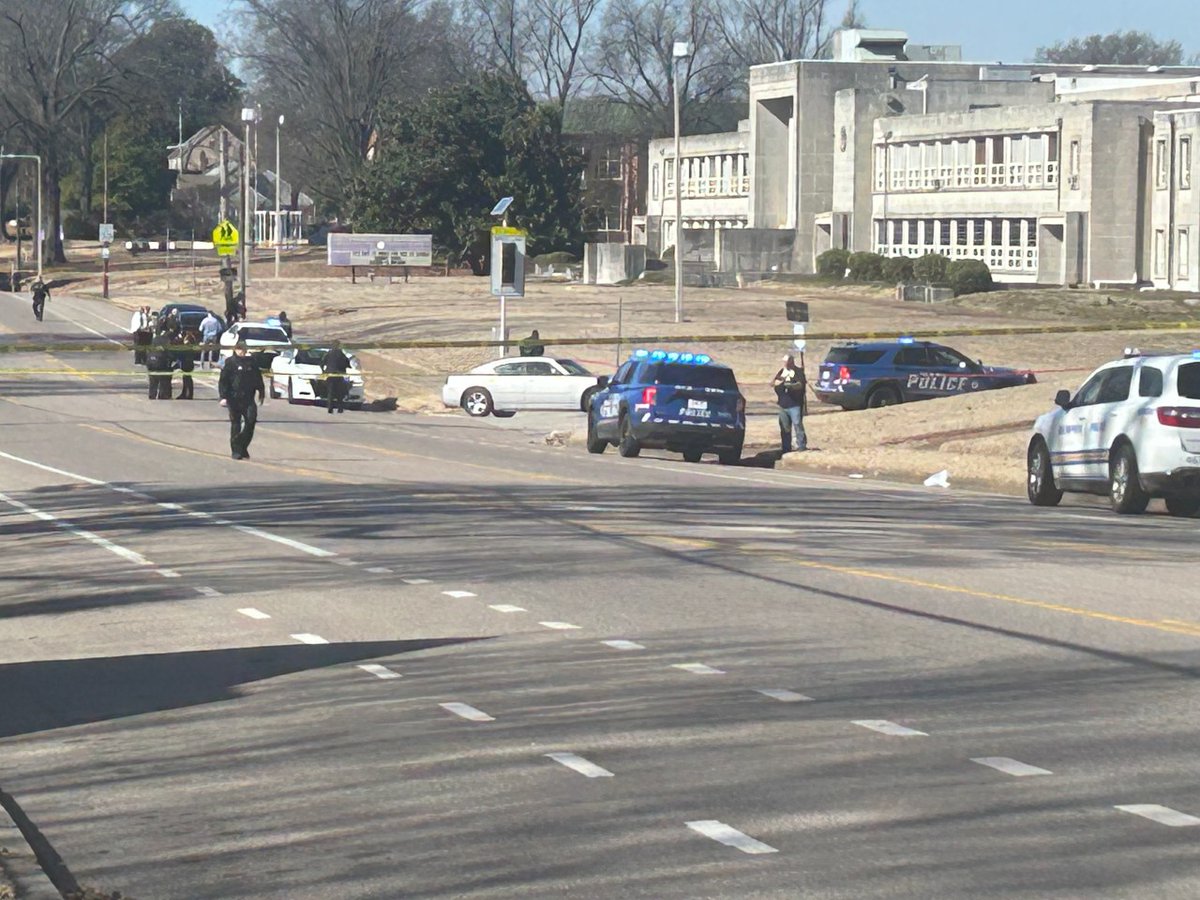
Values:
[(263, 334), (696, 376), (572, 367), (852, 356), (1189, 381)]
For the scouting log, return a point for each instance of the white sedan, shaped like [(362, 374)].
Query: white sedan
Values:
[(507, 385), (296, 374), (264, 341)]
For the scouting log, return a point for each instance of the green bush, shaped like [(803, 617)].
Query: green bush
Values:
[(833, 263), (898, 269), (968, 276), (930, 268), (866, 266)]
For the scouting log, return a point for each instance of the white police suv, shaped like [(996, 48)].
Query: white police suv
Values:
[(1132, 432)]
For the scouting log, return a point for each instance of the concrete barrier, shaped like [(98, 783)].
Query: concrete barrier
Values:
[(613, 263)]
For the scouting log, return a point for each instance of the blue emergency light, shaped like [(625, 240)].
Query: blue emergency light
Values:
[(1196, 354), (658, 355), (906, 340), (640, 354), (698, 359)]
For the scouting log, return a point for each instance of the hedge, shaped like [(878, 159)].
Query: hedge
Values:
[(898, 269), (833, 263), (930, 268), (866, 266), (968, 276)]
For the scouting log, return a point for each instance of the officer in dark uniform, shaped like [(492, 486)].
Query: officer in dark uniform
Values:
[(334, 365), (185, 358), (241, 379), (158, 366), (532, 345), (41, 294)]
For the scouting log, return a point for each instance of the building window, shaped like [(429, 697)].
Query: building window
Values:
[(1183, 250), (1160, 253), (654, 183), (1185, 162), (608, 164), (1160, 164)]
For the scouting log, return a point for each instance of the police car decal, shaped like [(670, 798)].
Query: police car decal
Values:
[(937, 381)]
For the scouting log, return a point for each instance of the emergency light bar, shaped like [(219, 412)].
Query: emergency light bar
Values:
[(672, 356)]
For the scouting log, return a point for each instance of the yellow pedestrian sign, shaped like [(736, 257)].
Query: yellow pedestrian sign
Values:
[(225, 238)]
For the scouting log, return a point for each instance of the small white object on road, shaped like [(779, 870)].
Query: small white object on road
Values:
[(458, 595), (559, 626), (939, 479), (580, 765), (698, 669), (342, 561), (168, 573), (415, 580), (209, 592), (624, 645), (467, 712), (885, 727), (784, 695), (1163, 815), (379, 570), (506, 608), (379, 671), (309, 639), (251, 613), (856, 475), (729, 836), (1010, 766)]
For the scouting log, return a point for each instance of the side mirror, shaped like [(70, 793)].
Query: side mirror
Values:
[(602, 381), (1063, 399)]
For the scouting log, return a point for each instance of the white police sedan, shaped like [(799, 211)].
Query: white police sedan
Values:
[(296, 374), (263, 340), (504, 386)]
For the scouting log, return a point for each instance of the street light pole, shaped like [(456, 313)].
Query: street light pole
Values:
[(680, 52), (249, 115), (39, 204), (278, 221)]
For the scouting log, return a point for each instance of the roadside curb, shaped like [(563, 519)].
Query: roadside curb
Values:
[(21, 863)]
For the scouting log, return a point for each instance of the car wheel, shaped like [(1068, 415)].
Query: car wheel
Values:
[(1040, 487), (731, 456), (504, 413), (629, 446), (884, 395), (1184, 506), (477, 402), (1124, 488), (595, 444), (692, 456), (585, 402)]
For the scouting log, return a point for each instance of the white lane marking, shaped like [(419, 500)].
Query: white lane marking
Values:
[(583, 766), (309, 639), (342, 561), (883, 726), (624, 645), (251, 613), (1163, 815), (123, 552), (729, 836), (245, 529), (169, 505), (458, 595), (783, 695), (379, 570), (415, 580), (1010, 766), (58, 315), (168, 573), (467, 712), (698, 669), (757, 529), (379, 671), (209, 592), (559, 626), (506, 608)]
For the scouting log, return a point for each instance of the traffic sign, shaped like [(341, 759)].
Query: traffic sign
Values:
[(225, 238), (106, 233)]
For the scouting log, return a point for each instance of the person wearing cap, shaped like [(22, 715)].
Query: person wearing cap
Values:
[(285, 323), (790, 385), (240, 380), (334, 365)]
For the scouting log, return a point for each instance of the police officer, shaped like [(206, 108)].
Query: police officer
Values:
[(185, 358), (532, 345), (334, 365), (285, 323), (41, 294), (241, 379), (158, 366)]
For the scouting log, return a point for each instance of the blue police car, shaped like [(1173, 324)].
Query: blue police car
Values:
[(681, 402), (857, 376)]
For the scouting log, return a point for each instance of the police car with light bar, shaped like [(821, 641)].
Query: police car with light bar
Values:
[(682, 402), (1132, 431), (883, 373)]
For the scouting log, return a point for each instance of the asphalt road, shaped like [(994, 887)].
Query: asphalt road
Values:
[(396, 656)]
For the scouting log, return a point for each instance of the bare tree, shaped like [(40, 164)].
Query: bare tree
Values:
[(767, 31), (556, 54), (55, 59)]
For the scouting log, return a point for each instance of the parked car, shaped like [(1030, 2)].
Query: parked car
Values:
[(507, 385), (264, 341), (882, 373), (1132, 431), (190, 315), (296, 374)]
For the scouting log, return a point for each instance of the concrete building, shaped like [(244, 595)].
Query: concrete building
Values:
[(1175, 215)]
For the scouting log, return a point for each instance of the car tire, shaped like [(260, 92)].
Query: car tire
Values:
[(595, 444), (1039, 484), (730, 456), (884, 395), (692, 456), (1183, 506), (504, 413), (585, 402), (477, 402), (629, 446), (1124, 488)]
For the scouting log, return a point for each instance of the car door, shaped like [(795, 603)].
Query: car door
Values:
[(1108, 418), (545, 386), (1071, 452), (953, 373), (508, 386), (608, 409), (912, 372)]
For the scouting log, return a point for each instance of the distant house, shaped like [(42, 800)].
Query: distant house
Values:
[(612, 143)]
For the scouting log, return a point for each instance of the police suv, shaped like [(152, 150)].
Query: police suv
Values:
[(857, 376), (681, 402), (1132, 432)]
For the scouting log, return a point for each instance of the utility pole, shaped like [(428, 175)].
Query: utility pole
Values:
[(248, 116), (278, 220), (105, 251), (681, 51)]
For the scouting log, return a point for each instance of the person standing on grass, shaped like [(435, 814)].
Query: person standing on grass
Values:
[(790, 385), (241, 380)]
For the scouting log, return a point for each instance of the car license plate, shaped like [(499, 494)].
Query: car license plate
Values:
[(697, 404)]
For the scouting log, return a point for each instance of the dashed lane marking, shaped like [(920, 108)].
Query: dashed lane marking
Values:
[(583, 766), (624, 645), (698, 669), (379, 671), (168, 573), (559, 626), (208, 592), (379, 570), (883, 726), (467, 712), (309, 639), (342, 561), (124, 552), (730, 836), (1163, 815), (506, 608), (251, 613), (1010, 766), (783, 695), (459, 595), (416, 580)]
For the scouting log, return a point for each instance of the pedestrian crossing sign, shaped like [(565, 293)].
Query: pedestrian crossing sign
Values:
[(225, 238)]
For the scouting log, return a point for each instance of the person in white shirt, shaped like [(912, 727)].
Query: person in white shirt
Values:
[(141, 326), (210, 330)]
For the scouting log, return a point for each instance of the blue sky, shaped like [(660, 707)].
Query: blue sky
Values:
[(1006, 30)]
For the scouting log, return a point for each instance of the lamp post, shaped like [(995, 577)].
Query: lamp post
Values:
[(278, 220), (681, 51), (39, 204), (249, 116)]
